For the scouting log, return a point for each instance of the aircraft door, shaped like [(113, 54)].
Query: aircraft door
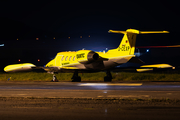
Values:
[(58, 60)]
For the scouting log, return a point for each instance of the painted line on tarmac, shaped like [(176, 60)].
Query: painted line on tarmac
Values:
[(110, 84)]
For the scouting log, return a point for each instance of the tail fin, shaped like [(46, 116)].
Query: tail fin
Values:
[(127, 45)]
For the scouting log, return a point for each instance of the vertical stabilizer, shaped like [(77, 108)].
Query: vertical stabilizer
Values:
[(127, 45)]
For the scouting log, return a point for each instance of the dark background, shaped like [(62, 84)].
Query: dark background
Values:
[(46, 20)]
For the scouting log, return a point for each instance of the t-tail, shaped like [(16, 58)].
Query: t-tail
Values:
[(127, 45)]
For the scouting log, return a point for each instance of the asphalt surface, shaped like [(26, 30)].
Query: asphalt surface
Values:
[(147, 90), (67, 100)]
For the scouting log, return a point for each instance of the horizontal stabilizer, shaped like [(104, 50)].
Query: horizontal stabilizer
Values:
[(136, 31), (147, 32)]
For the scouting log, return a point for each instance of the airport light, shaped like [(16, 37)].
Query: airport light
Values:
[(19, 60), (1, 45), (147, 50), (106, 49), (138, 52), (54, 38), (68, 37), (38, 60), (17, 39), (89, 36), (37, 38), (80, 36)]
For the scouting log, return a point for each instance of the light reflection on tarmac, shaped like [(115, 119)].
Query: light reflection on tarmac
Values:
[(170, 90)]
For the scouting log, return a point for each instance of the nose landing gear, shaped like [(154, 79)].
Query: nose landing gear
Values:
[(54, 78)]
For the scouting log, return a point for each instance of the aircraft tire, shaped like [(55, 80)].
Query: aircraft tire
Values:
[(107, 79), (54, 81), (76, 79)]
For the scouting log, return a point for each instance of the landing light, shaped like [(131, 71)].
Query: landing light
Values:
[(147, 50)]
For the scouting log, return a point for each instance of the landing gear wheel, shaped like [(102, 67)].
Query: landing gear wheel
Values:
[(75, 77), (108, 78)]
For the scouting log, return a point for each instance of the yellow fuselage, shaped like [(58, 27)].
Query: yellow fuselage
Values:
[(79, 60)]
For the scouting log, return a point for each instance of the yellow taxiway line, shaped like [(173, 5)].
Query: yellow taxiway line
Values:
[(110, 84)]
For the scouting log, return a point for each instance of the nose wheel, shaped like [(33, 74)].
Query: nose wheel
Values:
[(54, 78)]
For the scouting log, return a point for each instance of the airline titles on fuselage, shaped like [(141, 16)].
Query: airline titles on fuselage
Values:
[(80, 55)]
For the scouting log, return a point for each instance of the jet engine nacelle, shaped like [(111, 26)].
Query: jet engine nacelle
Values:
[(86, 56)]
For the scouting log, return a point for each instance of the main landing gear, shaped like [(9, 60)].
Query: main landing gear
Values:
[(108, 78), (75, 77)]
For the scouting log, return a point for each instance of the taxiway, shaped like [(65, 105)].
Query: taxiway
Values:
[(145, 90), (67, 100)]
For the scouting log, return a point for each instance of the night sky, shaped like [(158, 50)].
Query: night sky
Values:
[(28, 20)]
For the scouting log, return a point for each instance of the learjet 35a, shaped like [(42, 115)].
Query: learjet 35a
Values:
[(91, 61)]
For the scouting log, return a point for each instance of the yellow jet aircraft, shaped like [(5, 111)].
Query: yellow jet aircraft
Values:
[(91, 61)]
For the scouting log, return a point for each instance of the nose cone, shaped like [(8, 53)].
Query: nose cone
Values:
[(50, 64)]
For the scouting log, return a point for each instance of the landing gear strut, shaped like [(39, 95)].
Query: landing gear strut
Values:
[(75, 77), (54, 78), (108, 78)]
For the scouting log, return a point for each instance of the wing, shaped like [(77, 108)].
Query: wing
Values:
[(30, 67), (145, 68)]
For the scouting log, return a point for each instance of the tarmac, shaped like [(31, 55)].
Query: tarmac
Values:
[(89, 100), (146, 90)]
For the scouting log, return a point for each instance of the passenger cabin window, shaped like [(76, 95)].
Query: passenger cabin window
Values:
[(70, 58), (62, 58), (66, 58), (73, 58)]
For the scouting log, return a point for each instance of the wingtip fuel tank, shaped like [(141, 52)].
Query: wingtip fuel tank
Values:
[(19, 67)]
